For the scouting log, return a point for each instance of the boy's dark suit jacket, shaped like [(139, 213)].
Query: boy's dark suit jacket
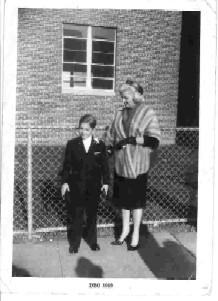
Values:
[(84, 172)]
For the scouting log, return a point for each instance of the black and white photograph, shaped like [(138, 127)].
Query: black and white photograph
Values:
[(107, 183)]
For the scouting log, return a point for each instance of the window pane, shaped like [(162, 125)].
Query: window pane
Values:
[(102, 58), (79, 31), (75, 82), (74, 44), (74, 56), (105, 47), (102, 71), (98, 83), (103, 33), (72, 68)]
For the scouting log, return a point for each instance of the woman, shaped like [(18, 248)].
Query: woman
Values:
[(134, 133)]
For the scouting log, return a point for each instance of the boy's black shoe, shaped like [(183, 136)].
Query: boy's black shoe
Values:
[(95, 247), (73, 250)]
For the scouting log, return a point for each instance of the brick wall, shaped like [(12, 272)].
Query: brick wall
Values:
[(148, 49)]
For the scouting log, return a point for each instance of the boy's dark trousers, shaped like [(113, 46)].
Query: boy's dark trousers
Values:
[(75, 221)]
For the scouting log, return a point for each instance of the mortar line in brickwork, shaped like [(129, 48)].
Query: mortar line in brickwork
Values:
[(98, 128)]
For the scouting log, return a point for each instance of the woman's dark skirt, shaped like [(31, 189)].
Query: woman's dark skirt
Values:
[(130, 193)]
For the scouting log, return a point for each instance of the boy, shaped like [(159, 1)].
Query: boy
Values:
[(85, 174)]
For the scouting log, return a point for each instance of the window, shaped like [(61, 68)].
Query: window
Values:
[(88, 58)]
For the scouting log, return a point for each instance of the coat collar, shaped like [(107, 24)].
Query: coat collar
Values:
[(91, 148)]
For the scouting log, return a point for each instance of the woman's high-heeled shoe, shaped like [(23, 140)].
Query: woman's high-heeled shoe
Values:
[(133, 248), (118, 242)]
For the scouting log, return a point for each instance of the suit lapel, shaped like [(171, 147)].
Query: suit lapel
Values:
[(92, 145), (81, 147)]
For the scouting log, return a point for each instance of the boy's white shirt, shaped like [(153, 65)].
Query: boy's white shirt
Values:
[(87, 143)]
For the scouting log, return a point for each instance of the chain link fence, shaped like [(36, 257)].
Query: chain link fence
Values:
[(39, 154)]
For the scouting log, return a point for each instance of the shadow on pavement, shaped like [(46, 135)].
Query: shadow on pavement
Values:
[(85, 268), (171, 261), (19, 272)]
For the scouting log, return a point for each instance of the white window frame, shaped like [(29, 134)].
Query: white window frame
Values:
[(88, 90)]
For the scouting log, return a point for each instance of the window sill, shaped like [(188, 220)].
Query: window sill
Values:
[(89, 92)]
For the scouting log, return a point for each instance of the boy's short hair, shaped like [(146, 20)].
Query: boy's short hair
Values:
[(88, 118)]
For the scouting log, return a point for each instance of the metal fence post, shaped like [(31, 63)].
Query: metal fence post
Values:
[(29, 184)]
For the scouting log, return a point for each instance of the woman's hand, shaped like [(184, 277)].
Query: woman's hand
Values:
[(64, 189), (104, 188), (140, 140)]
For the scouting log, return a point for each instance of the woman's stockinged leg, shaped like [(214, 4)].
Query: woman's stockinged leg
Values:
[(125, 224), (137, 217)]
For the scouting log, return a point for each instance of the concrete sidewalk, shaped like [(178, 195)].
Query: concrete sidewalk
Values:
[(162, 256)]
